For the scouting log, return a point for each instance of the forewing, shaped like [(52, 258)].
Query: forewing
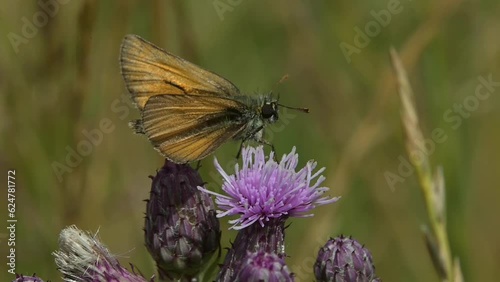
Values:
[(149, 70), (186, 128)]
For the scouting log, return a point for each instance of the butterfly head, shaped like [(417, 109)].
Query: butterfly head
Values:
[(269, 111)]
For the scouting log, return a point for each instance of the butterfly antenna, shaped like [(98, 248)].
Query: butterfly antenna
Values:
[(283, 79), (305, 110)]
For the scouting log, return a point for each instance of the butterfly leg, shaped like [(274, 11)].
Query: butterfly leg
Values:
[(258, 138), (251, 135), (261, 141), (239, 150), (198, 165), (265, 142)]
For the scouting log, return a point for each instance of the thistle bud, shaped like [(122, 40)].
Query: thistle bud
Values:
[(343, 260), (262, 266), (253, 239), (181, 228)]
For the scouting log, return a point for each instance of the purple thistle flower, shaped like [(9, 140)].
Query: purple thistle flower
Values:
[(262, 190)]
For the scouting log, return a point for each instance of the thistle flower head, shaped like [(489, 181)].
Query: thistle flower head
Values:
[(262, 190), (181, 228), (82, 257), (344, 259), (268, 239), (262, 266)]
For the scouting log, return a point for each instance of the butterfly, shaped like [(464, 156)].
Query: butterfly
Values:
[(188, 112)]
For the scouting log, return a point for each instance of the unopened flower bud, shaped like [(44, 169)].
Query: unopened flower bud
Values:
[(343, 259), (181, 228), (262, 266)]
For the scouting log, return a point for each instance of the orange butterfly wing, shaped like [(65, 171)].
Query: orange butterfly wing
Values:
[(187, 112), (149, 70), (186, 128)]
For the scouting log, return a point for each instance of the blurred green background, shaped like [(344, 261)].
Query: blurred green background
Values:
[(62, 77)]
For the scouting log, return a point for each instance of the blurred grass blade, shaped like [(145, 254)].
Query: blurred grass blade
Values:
[(414, 136), (439, 197), (433, 249), (457, 271), (432, 186)]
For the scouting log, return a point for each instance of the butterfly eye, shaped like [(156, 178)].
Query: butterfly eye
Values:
[(269, 110)]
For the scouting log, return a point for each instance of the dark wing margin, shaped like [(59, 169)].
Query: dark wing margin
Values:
[(149, 70)]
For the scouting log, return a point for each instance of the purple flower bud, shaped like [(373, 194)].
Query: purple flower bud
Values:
[(344, 260), (181, 228), (255, 238), (82, 257), (262, 266)]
